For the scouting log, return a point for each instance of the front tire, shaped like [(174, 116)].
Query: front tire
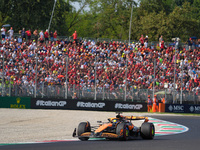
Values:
[(82, 128), (122, 131), (147, 131)]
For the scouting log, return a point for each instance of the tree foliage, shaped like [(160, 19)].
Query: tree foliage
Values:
[(34, 13), (107, 18)]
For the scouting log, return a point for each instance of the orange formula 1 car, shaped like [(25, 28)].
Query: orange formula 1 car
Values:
[(119, 127)]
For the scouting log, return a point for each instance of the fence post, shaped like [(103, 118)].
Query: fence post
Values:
[(95, 82), (79, 91), (125, 80), (154, 74), (66, 86), (42, 89), (9, 88), (2, 84), (73, 89), (55, 90), (14, 89), (47, 90), (132, 92), (181, 96), (174, 75), (36, 77), (103, 92)]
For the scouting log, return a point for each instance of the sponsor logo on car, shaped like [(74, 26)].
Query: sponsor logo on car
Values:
[(90, 105), (128, 106), (51, 103)]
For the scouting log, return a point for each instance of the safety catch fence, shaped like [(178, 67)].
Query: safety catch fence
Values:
[(102, 93)]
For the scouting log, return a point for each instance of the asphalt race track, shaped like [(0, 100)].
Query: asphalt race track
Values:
[(189, 140)]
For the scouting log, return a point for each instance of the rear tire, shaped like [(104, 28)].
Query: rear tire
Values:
[(147, 131), (122, 131), (82, 128)]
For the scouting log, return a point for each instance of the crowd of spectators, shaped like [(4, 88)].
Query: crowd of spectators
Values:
[(20, 62)]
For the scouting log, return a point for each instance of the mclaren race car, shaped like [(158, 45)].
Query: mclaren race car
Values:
[(120, 127)]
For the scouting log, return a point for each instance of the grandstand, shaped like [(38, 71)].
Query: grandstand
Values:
[(38, 69)]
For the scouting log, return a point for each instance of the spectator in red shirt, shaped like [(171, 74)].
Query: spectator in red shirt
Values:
[(162, 46), (46, 35), (75, 37), (20, 65), (55, 35), (142, 40), (28, 33)]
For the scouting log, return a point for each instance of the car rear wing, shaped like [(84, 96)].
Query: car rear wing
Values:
[(136, 118)]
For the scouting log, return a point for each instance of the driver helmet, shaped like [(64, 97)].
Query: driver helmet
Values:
[(115, 120)]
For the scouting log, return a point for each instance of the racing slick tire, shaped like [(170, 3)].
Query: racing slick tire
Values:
[(122, 131), (82, 128), (147, 131)]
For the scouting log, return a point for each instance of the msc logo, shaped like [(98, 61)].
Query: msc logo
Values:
[(176, 108), (170, 108), (194, 108), (191, 109), (18, 105)]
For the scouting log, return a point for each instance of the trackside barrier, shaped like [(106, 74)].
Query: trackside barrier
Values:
[(15, 102), (72, 104), (161, 107), (177, 108)]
